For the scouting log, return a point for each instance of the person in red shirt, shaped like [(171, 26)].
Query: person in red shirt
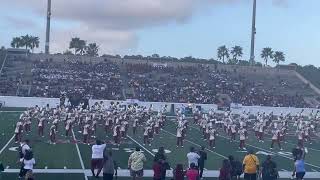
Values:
[(192, 173), (157, 169), (178, 172)]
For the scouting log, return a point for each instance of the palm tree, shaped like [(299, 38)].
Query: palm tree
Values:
[(92, 49), (35, 41), (278, 57), (236, 52), (16, 42), (74, 44), (26, 41), (266, 54), (223, 53)]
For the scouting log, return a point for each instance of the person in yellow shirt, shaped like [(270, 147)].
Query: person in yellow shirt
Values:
[(250, 166)]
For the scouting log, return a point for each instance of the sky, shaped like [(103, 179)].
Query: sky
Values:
[(175, 28)]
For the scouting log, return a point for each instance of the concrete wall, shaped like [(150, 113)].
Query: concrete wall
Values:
[(14, 101)]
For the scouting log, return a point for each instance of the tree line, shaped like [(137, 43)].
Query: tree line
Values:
[(80, 47), (232, 55)]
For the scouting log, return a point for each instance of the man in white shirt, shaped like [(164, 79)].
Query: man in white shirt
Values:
[(193, 157), (97, 157)]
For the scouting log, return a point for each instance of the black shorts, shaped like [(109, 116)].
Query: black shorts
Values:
[(136, 173), (250, 176), (300, 175)]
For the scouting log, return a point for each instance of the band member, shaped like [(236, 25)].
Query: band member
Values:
[(68, 127), (233, 131), (261, 129), (85, 133), (41, 126), (306, 134), (116, 134), (276, 138), (18, 131), (300, 137), (146, 131), (242, 135), (179, 137), (212, 137), (27, 124), (134, 125), (53, 134)]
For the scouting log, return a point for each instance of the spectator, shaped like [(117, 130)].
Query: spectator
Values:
[(236, 168), (135, 164), (250, 166), (299, 167), (193, 157), (97, 157), (178, 172), (157, 170), (203, 158), (27, 163), (269, 170), (225, 170), (161, 157), (23, 148), (192, 173), (109, 165)]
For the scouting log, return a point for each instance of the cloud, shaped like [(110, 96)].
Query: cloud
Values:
[(109, 41), (113, 23), (19, 23)]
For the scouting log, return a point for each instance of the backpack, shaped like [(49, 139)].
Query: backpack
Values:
[(20, 151)]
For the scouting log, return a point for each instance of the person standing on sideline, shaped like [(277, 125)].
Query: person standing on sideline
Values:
[(192, 173), (251, 166), (299, 167), (161, 157), (203, 157), (27, 163), (109, 165), (23, 148), (178, 172), (193, 157), (225, 170), (157, 170), (236, 168), (269, 170), (97, 157), (135, 164)]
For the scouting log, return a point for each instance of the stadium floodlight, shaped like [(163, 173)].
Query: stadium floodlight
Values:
[(48, 27), (253, 32)]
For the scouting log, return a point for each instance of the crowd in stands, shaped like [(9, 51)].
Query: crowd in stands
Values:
[(98, 81), (183, 83), (200, 84)]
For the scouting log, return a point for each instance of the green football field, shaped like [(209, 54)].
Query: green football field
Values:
[(55, 161)]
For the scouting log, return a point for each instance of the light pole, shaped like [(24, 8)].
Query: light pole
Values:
[(253, 32), (48, 27)]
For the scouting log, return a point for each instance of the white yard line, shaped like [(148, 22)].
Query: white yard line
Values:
[(5, 146), (222, 156), (79, 154), (11, 111), (140, 145), (147, 173)]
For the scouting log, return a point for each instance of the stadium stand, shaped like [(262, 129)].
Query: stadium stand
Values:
[(118, 79)]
